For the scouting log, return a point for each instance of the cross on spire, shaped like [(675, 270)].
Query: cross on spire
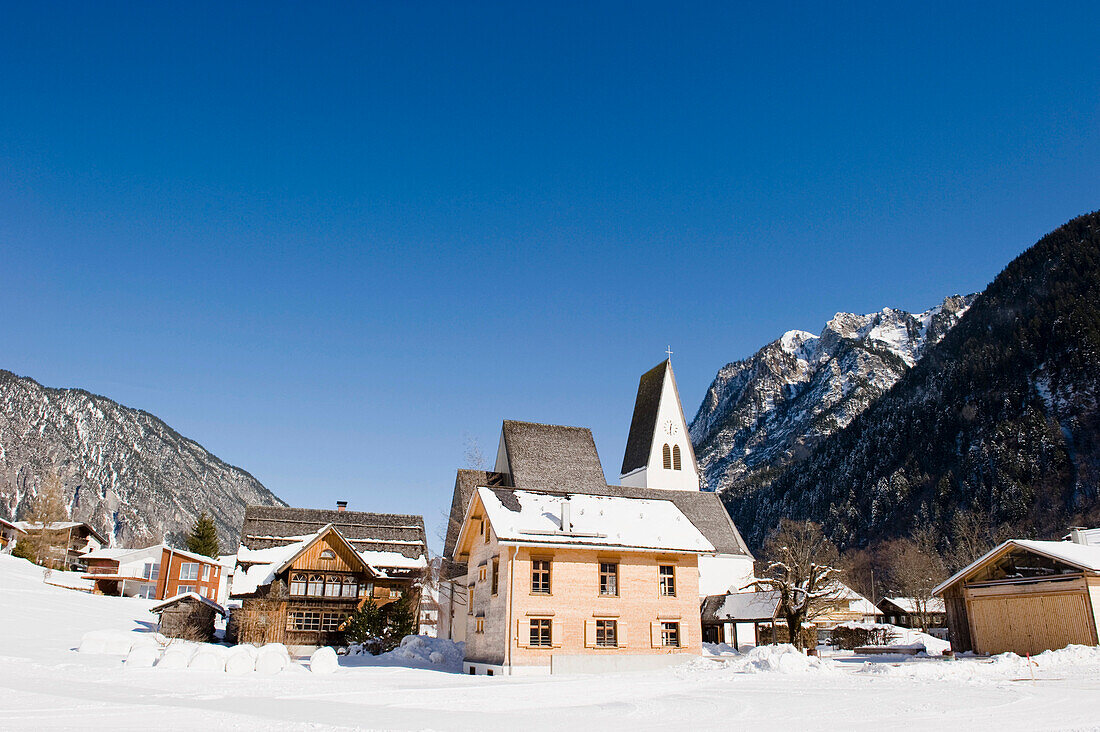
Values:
[(668, 350)]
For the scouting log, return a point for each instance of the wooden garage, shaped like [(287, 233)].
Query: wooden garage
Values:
[(1025, 597)]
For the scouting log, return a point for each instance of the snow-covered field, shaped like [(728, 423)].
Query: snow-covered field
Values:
[(45, 684)]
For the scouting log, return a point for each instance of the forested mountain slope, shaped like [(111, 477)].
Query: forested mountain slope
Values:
[(999, 418)]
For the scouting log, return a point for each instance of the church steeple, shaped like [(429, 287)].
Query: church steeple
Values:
[(658, 450)]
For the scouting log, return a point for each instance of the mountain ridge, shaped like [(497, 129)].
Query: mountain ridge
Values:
[(124, 470)]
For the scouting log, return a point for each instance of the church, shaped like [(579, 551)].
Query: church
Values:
[(547, 568)]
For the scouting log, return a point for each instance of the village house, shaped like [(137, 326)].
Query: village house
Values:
[(301, 572), (906, 612), (1026, 596), (72, 539), (531, 589), (156, 572)]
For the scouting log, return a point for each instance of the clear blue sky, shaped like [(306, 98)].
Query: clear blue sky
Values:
[(329, 241)]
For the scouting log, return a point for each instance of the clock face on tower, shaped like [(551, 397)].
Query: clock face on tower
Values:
[(669, 427)]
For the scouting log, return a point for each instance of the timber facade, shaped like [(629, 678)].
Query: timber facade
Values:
[(300, 588), (1025, 597)]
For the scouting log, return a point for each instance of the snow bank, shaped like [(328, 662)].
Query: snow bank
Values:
[(782, 658), (113, 642), (416, 651), (324, 661), (1079, 660)]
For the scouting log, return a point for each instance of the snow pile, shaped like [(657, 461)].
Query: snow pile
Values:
[(272, 658), (241, 660), (209, 657), (143, 656), (719, 649), (324, 661), (782, 658), (417, 651), (905, 638), (176, 655)]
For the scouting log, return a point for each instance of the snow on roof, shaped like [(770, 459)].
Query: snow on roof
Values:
[(1082, 556), (265, 563), (909, 604), (529, 517), (192, 595), (748, 606), (109, 553)]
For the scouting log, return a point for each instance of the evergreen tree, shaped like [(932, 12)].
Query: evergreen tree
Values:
[(365, 627), (204, 537)]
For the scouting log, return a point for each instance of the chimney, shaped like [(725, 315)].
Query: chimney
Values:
[(1077, 535), (566, 516), (341, 506)]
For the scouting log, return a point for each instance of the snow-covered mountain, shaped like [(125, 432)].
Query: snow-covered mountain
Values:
[(766, 411), (123, 470)]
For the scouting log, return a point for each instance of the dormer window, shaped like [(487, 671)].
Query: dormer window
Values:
[(666, 453), (675, 457), (328, 554)]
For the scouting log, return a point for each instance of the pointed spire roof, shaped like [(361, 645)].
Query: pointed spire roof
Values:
[(644, 422)]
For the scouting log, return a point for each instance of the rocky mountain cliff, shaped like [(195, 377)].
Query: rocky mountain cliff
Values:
[(770, 410), (123, 470), (999, 420)]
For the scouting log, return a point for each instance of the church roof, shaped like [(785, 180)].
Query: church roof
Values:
[(552, 457), (563, 460), (271, 526), (644, 422)]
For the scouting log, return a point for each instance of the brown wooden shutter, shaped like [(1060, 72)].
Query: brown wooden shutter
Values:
[(589, 633), (557, 633), (683, 634), (655, 634), (621, 634), (522, 640)]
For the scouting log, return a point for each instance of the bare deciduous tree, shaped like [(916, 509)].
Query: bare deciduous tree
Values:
[(802, 568), (915, 568)]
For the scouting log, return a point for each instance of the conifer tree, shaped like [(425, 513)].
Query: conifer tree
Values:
[(204, 537)]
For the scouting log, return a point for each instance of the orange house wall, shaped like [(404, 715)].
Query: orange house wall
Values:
[(169, 580)]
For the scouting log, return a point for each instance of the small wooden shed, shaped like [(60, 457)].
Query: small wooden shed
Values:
[(189, 616), (735, 617), (1025, 597)]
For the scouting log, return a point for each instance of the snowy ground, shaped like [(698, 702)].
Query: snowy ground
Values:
[(46, 685)]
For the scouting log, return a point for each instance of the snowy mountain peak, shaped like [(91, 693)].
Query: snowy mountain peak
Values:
[(772, 407)]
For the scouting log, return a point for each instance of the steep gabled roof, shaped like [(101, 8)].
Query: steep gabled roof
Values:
[(644, 422), (552, 457), (466, 482), (1082, 556), (176, 599), (271, 526), (740, 606)]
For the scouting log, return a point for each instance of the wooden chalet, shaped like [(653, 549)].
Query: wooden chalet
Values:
[(301, 572), (1025, 597)]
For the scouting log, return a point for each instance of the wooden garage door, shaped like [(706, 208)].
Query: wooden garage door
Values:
[(1030, 623)]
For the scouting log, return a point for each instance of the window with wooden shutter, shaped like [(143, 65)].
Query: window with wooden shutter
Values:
[(666, 453), (675, 457)]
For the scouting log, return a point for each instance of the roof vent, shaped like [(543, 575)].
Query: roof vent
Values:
[(341, 506), (566, 516)]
